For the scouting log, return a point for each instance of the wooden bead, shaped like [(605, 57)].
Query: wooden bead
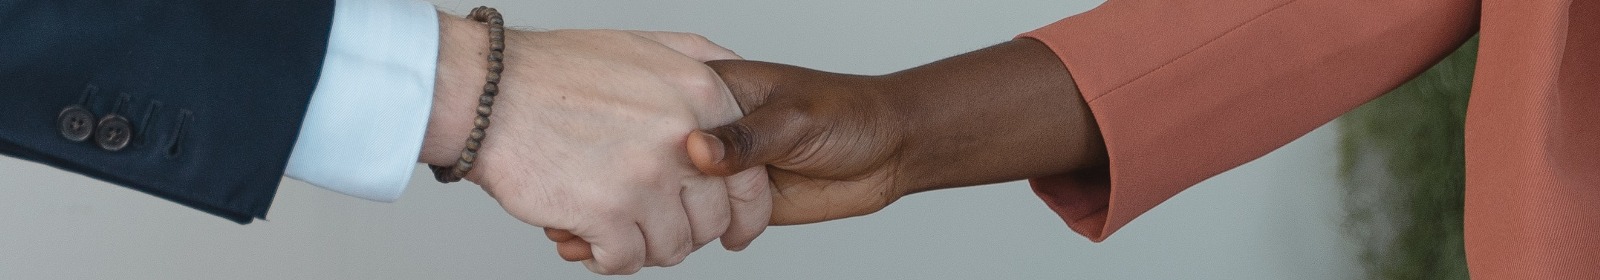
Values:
[(481, 122), (491, 87), (485, 110)]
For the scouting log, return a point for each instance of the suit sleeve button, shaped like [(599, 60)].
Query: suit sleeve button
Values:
[(75, 123), (113, 133)]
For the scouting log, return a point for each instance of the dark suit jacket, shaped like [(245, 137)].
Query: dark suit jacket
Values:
[(213, 91)]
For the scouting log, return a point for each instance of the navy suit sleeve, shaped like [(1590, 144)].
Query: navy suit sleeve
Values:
[(213, 92)]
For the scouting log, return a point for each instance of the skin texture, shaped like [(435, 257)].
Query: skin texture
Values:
[(587, 140), (838, 146)]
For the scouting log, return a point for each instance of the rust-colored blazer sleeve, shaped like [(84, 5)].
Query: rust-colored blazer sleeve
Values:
[(1183, 90), (1533, 143)]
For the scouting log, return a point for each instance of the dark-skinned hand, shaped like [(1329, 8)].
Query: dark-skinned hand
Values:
[(839, 146)]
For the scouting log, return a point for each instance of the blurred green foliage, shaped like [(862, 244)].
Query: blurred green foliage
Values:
[(1404, 172)]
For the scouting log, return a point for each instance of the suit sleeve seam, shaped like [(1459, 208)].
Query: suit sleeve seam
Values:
[(1192, 50)]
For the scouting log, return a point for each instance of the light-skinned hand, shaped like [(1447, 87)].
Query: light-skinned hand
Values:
[(587, 139)]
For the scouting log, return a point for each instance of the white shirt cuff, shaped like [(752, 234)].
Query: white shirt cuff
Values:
[(364, 126)]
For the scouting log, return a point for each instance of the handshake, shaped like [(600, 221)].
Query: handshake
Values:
[(634, 149)]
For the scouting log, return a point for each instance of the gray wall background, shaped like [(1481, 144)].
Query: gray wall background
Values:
[(1275, 218)]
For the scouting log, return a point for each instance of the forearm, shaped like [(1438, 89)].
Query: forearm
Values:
[(1003, 113)]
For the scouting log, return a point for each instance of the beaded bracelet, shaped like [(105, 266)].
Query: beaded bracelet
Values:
[(497, 46)]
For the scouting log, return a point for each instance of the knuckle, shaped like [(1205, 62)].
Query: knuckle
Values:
[(684, 37), (622, 270), (630, 268), (698, 39), (620, 267), (668, 261), (701, 242), (627, 270), (694, 37), (676, 259), (749, 193), (700, 81), (715, 229)]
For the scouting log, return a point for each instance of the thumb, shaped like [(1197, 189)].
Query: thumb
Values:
[(768, 135), (752, 82)]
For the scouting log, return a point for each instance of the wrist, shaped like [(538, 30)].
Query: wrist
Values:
[(1003, 113), (457, 83), (923, 142)]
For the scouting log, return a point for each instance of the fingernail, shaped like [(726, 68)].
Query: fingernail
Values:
[(717, 153)]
